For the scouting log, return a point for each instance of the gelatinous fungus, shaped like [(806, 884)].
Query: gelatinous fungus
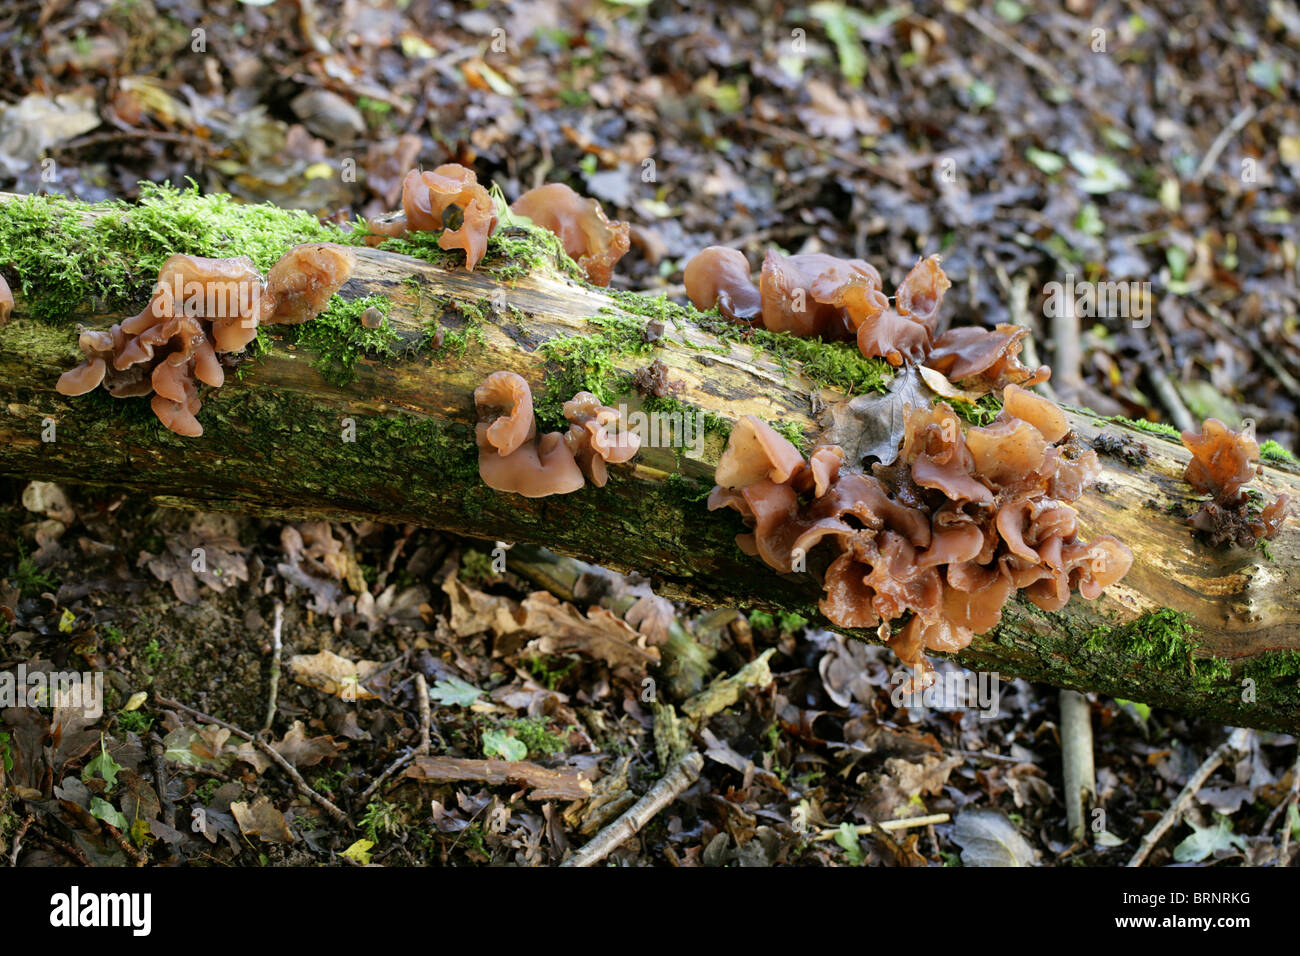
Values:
[(596, 436), (199, 308), (719, 276), (1223, 463), (448, 198), (513, 458), (591, 239), (6, 300), (982, 358), (963, 520)]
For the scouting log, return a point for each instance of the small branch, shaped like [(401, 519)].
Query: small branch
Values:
[(277, 647), (685, 773), (889, 826), (426, 718), (426, 724), (305, 788), (1221, 142), (1076, 755), (158, 753), (18, 838), (1234, 745)]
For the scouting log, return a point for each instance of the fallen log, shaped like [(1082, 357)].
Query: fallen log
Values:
[(338, 424)]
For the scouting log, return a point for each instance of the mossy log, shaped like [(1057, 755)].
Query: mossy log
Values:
[(300, 432)]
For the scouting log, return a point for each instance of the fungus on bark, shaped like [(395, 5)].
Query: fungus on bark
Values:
[(943, 538), (1223, 463), (591, 239), (299, 286), (592, 440), (512, 457), (719, 276), (201, 307), (975, 357), (437, 199)]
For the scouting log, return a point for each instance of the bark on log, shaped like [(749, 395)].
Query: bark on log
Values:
[(276, 443)]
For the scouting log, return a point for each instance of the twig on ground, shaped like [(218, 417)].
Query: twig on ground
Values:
[(888, 826), (426, 723), (1236, 743), (277, 647), (1292, 798), (158, 752), (18, 838), (302, 785), (72, 851), (136, 856), (1244, 116), (682, 775), (1076, 755), (426, 717)]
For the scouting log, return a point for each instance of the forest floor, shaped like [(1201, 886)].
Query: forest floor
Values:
[(1024, 146)]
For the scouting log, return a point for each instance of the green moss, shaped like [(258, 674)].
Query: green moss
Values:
[(980, 412), (837, 365), (693, 417), (1272, 451), (1151, 428), (339, 338), (791, 432), (512, 251), (445, 341), (66, 252), (587, 363), (1163, 638)]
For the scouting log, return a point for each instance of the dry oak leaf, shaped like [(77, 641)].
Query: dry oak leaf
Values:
[(561, 629), (474, 612), (261, 820), (332, 674)]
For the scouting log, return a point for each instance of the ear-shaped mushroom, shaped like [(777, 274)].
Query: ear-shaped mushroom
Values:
[(988, 358), (506, 401), (1223, 461), (301, 284), (756, 451), (591, 239), (535, 469), (591, 439), (921, 293), (511, 457), (1040, 412), (719, 276), (428, 196), (802, 294)]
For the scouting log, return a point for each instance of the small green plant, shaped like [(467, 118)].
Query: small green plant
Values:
[(382, 818), (6, 754), (31, 580)]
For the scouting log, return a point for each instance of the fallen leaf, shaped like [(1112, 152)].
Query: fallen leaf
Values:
[(261, 820), (988, 838), (331, 674), (871, 426), (561, 629)]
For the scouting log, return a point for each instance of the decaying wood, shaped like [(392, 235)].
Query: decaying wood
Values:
[(396, 444)]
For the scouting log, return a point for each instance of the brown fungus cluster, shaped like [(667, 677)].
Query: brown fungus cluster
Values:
[(1223, 463), (201, 308), (438, 199), (820, 295), (589, 238), (947, 535), (513, 458)]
